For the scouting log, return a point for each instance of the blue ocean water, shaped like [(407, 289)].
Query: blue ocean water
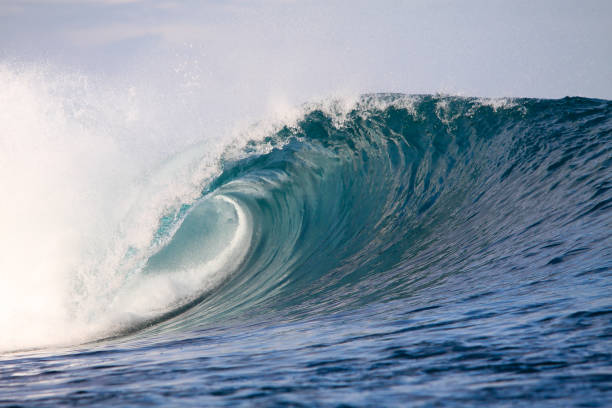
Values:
[(406, 251)]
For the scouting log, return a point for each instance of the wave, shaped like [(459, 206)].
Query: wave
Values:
[(399, 192), (355, 202)]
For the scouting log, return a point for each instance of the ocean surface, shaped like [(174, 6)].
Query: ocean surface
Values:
[(393, 250)]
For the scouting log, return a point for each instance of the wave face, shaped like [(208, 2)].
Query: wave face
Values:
[(398, 193), (387, 244)]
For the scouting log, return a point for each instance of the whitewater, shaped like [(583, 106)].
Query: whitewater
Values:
[(366, 250)]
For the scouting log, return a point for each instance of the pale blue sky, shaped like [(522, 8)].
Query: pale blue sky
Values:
[(549, 48)]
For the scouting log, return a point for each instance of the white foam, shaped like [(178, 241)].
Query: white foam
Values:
[(498, 103), (86, 172)]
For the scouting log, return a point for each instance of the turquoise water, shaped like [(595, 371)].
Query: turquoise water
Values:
[(408, 250)]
